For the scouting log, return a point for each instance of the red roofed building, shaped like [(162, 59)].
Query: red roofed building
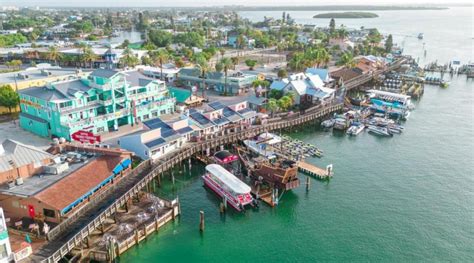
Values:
[(75, 177)]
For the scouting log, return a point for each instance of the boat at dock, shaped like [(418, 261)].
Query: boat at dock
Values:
[(383, 131), (355, 129), (234, 192), (269, 167), (328, 123)]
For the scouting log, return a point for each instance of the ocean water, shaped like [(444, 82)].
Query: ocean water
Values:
[(409, 198)]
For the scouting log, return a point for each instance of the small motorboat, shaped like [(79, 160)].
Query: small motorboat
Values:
[(383, 131), (328, 123)]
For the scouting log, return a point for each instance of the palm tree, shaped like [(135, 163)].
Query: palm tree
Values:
[(272, 105), (347, 60), (226, 65), (54, 54), (88, 56), (159, 58), (235, 61), (203, 66), (128, 58), (296, 62)]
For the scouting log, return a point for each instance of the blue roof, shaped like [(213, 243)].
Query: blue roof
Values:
[(278, 85), (245, 110), (201, 119), (155, 124), (228, 112), (217, 105), (155, 142), (185, 130), (321, 72), (165, 133), (221, 121)]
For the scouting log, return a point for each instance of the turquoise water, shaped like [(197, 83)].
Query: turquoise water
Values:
[(402, 199)]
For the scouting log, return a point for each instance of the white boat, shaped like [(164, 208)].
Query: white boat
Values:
[(328, 123), (379, 130), (235, 192), (358, 129)]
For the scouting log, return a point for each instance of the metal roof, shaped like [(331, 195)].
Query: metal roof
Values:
[(19, 154), (154, 143), (104, 73), (217, 105)]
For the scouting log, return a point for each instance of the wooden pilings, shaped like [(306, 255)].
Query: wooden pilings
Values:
[(201, 221)]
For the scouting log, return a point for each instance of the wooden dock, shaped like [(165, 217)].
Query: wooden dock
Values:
[(315, 171), (264, 194)]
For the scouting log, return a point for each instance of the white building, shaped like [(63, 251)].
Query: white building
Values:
[(158, 138)]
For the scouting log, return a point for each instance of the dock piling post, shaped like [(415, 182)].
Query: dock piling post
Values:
[(172, 177), (201, 221), (308, 184)]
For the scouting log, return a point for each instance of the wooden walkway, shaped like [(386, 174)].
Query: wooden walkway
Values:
[(313, 170)]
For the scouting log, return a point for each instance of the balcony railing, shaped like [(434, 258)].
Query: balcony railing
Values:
[(104, 117)]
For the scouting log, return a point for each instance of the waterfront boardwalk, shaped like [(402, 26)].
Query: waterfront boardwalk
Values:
[(71, 232), (313, 170)]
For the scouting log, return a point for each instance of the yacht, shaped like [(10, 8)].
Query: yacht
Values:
[(383, 131)]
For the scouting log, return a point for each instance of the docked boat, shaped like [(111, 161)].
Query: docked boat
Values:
[(328, 123), (355, 129), (235, 192), (341, 123), (383, 131), (269, 167)]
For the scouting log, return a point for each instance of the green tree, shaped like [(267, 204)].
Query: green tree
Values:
[(129, 59), (282, 73), (160, 38), (250, 63), (88, 56), (219, 67), (146, 60), (54, 54), (296, 61), (235, 61), (272, 105), (8, 98), (201, 63), (346, 60), (332, 26), (389, 44), (160, 58), (285, 103), (226, 66)]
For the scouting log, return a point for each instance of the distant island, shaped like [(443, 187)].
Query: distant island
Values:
[(346, 15)]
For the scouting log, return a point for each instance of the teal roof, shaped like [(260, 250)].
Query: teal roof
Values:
[(181, 95)]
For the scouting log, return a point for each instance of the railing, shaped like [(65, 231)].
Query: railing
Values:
[(105, 117), (161, 165)]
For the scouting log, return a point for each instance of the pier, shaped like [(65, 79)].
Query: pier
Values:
[(74, 230), (315, 171)]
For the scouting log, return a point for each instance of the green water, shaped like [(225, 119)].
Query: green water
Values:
[(406, 198), (409, 198)]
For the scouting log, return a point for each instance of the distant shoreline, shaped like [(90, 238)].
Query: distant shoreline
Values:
[(239, 8), (343, 15)]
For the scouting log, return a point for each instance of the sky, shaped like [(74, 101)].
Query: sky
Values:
[(157, 3)]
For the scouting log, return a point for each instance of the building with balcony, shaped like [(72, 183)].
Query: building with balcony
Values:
[(99, 103)]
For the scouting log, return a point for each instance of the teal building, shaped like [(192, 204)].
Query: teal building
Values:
[(101, 102)]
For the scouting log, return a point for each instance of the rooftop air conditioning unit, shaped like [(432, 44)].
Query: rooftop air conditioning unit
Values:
[(19, 181)]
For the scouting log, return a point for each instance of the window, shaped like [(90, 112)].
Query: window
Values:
[(49, 213)]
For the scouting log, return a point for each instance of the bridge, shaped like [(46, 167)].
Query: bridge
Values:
[(71, 232)]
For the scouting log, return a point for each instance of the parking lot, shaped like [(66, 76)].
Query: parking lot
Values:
[(11, 130)]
